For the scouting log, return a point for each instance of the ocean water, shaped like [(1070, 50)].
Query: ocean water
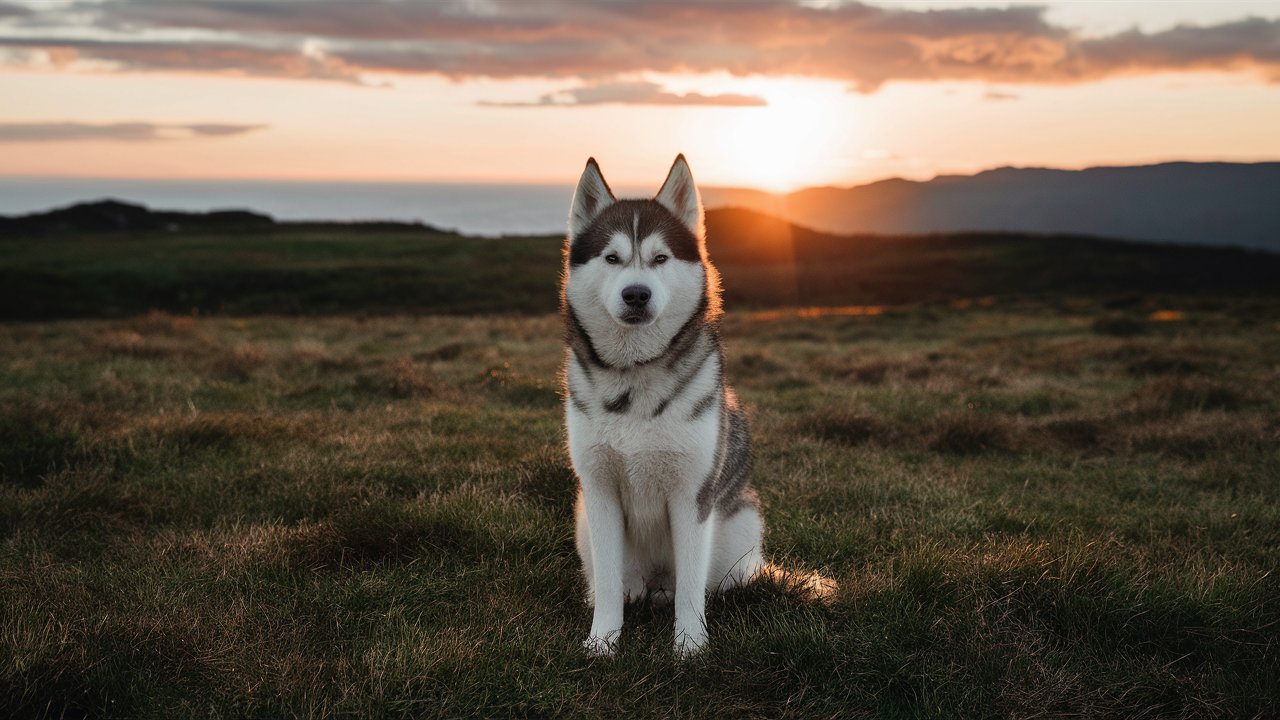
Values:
[(479, 209)]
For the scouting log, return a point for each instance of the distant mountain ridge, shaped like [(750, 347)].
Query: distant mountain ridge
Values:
[(1213, 203)]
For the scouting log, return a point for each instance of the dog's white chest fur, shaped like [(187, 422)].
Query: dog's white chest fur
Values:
[(652, 448)]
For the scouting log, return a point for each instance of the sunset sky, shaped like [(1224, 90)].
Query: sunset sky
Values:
[(774, 94)]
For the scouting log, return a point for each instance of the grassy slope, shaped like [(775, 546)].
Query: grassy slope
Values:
[(1030, 510), (292, 269), (325, 269)]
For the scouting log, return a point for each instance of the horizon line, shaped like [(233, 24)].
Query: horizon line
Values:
[(569, 182)]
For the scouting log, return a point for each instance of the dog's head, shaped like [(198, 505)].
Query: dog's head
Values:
[(642, 262)]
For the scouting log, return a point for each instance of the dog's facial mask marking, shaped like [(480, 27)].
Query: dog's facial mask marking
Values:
[(596, 217)]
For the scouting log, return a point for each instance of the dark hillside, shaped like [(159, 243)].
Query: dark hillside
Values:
[(112, 259), (769, 261), (104, 216)]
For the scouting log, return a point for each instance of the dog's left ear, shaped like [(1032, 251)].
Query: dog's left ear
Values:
[(680, 196)]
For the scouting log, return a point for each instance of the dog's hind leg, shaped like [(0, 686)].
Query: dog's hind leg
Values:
[(736, 550)]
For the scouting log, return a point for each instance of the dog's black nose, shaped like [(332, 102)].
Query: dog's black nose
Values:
[(636, 296)]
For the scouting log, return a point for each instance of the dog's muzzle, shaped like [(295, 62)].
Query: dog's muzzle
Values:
[(636, 298)]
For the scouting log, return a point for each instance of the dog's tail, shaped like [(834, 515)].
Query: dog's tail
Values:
[(807, 585)]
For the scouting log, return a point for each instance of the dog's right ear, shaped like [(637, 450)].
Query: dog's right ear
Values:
[(590, 199)]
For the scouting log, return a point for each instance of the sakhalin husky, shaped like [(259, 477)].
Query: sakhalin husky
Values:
[(658, 440)]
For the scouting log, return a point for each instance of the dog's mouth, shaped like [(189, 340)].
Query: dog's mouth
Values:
[(636, 317)]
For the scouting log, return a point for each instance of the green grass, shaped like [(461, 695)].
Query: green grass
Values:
[(289, 269), (1031, 508), (325, 269)]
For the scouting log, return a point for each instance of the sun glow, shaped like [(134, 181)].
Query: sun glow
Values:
[(801, 138)]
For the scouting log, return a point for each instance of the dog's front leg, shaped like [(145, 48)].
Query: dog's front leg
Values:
[(691, 545), (604, 522)]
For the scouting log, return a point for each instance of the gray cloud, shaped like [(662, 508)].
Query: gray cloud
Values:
[(123, 132), (220, 129), (8, 11), (862, 45), (1243, 43), (632, 93)]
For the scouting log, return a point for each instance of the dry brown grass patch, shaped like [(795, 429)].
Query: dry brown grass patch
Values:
[(845, 426), (155, 335), (375, 534), (444, 352), (401, 379), (547, 479), (1081, 433), (1182, 394), (520, 388), (158, 322), (869, 373), (222, 429), (43, 436), (121, 342), (967, 433), (1201, 436), (955, 433), (755, 364), (241, 362)]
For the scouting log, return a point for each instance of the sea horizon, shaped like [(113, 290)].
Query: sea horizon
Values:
[(472, 208)]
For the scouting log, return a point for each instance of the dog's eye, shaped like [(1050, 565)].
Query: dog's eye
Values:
[(658, 260), (611, 258)]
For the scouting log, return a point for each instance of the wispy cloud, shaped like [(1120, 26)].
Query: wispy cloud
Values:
[(862, 45), (1000, 95), (224, 57), (638, 92), (123, 132)]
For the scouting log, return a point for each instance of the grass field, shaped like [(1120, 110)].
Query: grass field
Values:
[(1032, 508)]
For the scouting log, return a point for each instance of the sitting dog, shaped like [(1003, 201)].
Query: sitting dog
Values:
[(657, 438)]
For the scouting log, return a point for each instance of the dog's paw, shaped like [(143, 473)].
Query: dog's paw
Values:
[(689, 644), (598, 647)]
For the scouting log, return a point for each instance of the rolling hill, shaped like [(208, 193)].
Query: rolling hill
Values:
[(1233, 204)]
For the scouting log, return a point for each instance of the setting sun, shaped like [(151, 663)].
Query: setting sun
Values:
[(805, 135)]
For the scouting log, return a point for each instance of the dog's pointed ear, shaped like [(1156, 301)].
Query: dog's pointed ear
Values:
[(681, 197), (590, 199)]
